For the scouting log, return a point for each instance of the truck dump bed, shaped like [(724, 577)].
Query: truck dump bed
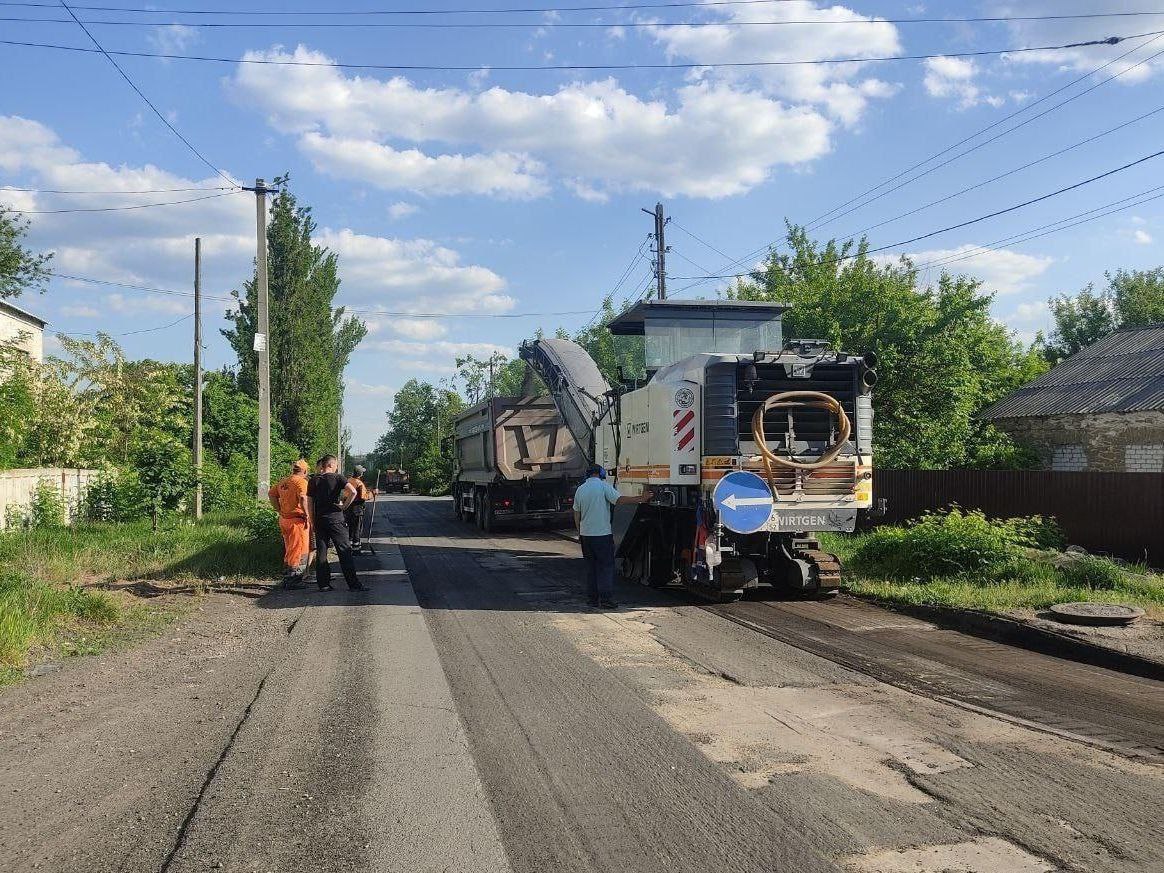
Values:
[(515, 439)]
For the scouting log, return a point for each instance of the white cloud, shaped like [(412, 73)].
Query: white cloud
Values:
[(173, 38), (1066, 31), (401, 209), (1001, 270), (499, 174), (361, 389), (954, 78), (1142, 237), (155, 247), (123, 304), (417, 328), (80, 311), (844, 90), (707, 139), (418, 275)]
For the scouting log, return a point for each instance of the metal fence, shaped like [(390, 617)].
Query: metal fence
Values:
[(18, 487), (1120, 514)]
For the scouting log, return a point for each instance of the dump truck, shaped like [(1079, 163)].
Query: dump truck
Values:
[(751, 444), (396, 482), (515, 461)]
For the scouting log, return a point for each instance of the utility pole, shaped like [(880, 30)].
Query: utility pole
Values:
[(339, 436), (262, 341), (660, 250), (198, 376)]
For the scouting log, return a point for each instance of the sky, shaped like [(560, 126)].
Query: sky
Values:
[(507, 200)]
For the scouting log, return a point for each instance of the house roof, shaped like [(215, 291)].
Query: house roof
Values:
[(1123, 372), (22, 314)]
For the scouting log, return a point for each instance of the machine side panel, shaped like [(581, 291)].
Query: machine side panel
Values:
[(683, 441), (634, 460), (720, 434)]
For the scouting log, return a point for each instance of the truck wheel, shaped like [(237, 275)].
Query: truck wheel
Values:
[(458, 513), (487, 519), (478, 503)]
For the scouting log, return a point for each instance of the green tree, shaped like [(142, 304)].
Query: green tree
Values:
[(942, 358), (612, 353), (1132, 298), (20, 268), (421, 416), (310, 341)]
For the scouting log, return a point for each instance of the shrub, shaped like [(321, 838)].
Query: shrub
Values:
[(261, 522), (937, 544), (48, 507), (1088, 571), (31, 612), (1034, 531)]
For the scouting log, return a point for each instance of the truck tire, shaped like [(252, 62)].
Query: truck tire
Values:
[(487, 520), (478, 503), (458, 513)]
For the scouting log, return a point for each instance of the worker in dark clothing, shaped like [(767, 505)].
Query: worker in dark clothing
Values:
[(354, 514), (331, 495)]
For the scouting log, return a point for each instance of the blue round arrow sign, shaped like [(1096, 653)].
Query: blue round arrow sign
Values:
[(743, 500)]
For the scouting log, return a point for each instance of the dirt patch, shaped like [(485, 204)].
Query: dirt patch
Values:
[(1143, 638), (987, 853)]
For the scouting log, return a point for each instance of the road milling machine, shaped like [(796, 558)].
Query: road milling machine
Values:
[(751, 444)]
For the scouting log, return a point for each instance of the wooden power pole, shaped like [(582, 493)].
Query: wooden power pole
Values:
[(198, 376), (262, 341)]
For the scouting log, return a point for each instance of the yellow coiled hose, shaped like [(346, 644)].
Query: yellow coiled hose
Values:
[(799, 400)]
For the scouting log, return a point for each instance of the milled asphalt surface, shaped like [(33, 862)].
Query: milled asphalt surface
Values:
[(469, 714), (302, 731)]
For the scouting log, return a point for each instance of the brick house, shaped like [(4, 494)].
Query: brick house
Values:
[(1100, 409)]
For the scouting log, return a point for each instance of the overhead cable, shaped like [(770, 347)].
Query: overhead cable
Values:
[(453, 68), (125, 208)]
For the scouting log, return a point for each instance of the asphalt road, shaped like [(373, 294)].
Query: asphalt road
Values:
[(469, 714)]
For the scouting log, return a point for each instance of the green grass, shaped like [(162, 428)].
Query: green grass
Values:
[(1027, 580), (54, 590)]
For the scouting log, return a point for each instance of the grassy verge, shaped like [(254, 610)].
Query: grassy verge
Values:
[(69, 591), (1005, 576)]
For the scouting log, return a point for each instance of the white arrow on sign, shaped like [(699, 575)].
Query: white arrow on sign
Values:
[(733, 502)]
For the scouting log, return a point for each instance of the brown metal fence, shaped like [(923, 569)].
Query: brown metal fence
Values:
[(1111, 513)]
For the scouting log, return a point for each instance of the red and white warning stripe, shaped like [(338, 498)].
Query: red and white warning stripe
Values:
[(684, 430)]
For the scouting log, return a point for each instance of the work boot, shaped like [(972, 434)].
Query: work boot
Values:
[(357, 586), (293, 582), (608, 604)]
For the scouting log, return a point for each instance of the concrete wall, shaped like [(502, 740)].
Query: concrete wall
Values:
[(1130, 442), (17, 487), (11, 326)]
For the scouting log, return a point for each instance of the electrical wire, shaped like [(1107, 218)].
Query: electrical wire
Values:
[(452, 68), (148, 102), (820, 219), (570, 25), (679, 4), (117, 208), (1004, 175), (699, 239), (140, 191), (128, 332)]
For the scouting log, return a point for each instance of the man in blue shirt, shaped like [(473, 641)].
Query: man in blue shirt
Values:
[(592, 502)]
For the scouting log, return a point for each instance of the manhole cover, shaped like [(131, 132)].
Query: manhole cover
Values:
[(1096, 613)]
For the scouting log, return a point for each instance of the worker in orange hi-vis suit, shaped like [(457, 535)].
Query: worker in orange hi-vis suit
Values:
[(289, 497)]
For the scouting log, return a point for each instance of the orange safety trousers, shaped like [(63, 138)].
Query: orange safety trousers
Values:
[(296, 541)]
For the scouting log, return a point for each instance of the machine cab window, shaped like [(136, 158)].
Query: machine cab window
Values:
[(678, 329)]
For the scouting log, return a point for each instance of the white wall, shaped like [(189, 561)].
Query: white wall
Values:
[(12, 326), (17, 487)]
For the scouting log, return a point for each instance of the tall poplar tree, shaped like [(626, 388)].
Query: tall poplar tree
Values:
[(310, 340)]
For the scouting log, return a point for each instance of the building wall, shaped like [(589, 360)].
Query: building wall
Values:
[(18, 487), (12, 326), (1130, 442)]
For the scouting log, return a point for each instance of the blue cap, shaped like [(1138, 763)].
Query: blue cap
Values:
[(596, 470)]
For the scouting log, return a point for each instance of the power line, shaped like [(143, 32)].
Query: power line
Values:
[(699, 239), (117, 208), (530, 25), (128, 332), (1010, 172), (1108, 41), (817, 221), (961, 224), (141, 94), (416, 11), (836, 212), (139, 191)]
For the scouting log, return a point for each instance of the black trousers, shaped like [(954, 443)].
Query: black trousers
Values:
[(354, 516), (599, 555), (330, 529)]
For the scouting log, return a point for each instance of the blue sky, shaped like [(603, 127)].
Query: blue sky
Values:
[(509, 192)]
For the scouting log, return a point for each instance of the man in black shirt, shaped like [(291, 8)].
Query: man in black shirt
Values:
[(330, 495)]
